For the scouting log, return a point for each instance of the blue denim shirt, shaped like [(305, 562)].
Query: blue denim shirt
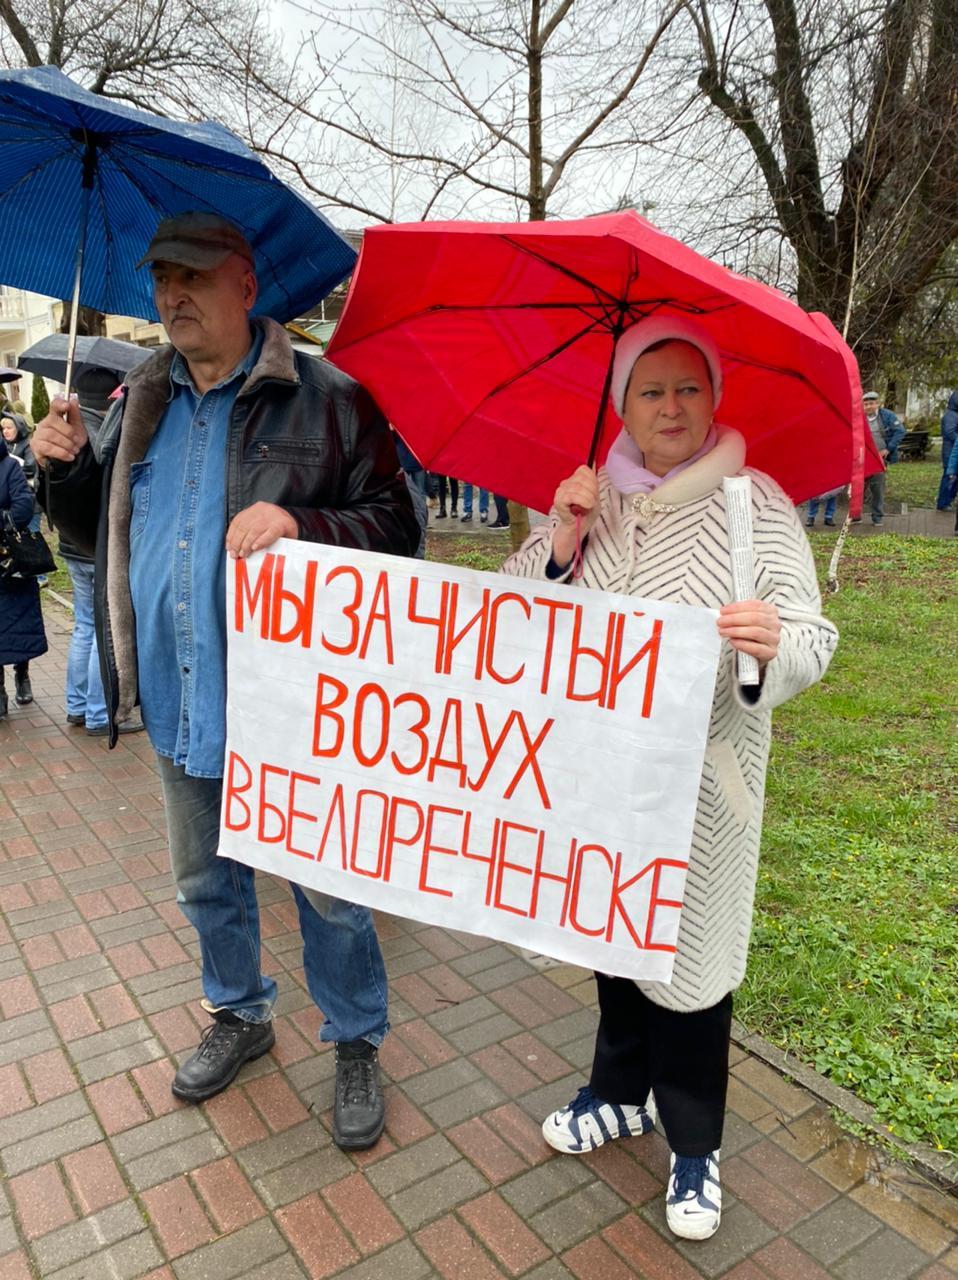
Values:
[(178, 570)]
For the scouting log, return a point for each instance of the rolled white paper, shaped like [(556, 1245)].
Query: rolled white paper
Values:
[(738, 513)]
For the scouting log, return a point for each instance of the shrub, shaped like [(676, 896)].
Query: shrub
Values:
[(40, 399)]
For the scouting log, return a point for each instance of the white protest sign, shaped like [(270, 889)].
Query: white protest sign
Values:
[(514, 758)]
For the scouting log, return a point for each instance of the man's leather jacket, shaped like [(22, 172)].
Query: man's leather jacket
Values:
[(303, 436)]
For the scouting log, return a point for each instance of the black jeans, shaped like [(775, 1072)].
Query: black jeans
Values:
[(681, 1057), (453, 483)]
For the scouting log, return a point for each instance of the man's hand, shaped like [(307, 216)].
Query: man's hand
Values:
[(257, 527), (61, 435)]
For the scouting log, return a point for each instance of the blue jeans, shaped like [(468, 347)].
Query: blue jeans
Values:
[(467, 500), (344, 966), (813, 504), (946, 492), (84, 684), (419, 479)]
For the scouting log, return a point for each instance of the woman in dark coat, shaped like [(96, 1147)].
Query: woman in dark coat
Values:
[(21, 620)]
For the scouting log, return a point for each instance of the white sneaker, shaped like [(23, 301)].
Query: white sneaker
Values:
[(693, 1201), (587, 1122)]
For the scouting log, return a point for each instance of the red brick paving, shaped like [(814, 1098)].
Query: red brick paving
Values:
[(41, 1201), (594, 1260), (454, 1253), (229, 1198), (15, 1266), (504, 1233), (74, 1018), (495, 1159), (276, 1102), (177, 1217), (13, 1092), (113, 1006), (235, 1119), (361, 1211), (49, 1075), (81, 1149), (783, 1260), (153, 1081), (319, 1242), (117, 1104), (94, 1177)]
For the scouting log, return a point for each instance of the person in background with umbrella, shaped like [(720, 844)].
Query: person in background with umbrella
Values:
[(85, 700), (227, 438), (22, 636), (653, 524)]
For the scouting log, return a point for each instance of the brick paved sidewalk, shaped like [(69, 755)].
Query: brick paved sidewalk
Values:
[(108, 1177)]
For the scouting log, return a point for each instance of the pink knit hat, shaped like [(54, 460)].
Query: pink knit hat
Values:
[(646, 334)]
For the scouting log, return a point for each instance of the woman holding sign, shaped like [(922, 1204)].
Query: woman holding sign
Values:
[(653, 523)]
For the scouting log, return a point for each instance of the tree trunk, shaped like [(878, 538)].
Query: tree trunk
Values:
[(518, 524)]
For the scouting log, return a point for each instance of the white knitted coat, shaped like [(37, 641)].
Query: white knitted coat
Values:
[(682, 556)]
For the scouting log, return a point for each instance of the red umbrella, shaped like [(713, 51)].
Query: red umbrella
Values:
[(489, 347)]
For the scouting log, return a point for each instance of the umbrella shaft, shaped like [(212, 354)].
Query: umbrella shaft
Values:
[(617, 330), (77, 278)]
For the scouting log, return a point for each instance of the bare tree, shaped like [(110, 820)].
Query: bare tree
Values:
[(848, 110), (512, 108), (164, 56), (924, 351), (501, 105)]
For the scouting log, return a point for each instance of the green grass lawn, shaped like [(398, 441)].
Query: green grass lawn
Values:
[(854, 960), (854, 963), (915, 483), (912, 483)]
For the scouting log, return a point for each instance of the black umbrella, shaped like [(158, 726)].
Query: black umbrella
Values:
[(48, 357), (8, 375)]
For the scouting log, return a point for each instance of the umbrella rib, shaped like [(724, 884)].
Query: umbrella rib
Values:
[(592, 327), (596, 289), (509, 381), (37, 168)]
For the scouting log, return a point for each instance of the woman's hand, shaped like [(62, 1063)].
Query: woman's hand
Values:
[(751, 626), (579, 491)]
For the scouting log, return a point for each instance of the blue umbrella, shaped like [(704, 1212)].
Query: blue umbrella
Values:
[(85, 180)]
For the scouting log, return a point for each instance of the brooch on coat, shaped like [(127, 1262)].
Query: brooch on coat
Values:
[(645, 505)]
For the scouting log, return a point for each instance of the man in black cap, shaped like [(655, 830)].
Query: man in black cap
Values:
[(227, 438)]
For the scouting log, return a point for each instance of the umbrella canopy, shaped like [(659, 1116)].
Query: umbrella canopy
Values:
[(58, 141), (8, 375), (489, 347), (48, 357)]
